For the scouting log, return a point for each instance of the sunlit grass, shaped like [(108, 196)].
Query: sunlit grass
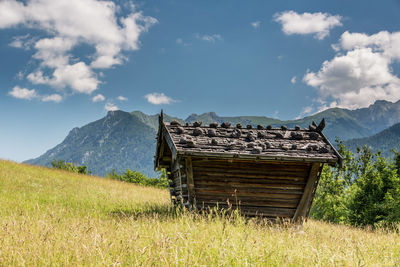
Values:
[(50, 217)]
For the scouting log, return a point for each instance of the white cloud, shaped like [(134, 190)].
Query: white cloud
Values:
[(180, 41), (24, 42), (305, 111), (19, 75), (360, 73), (122, 98), (307, 23), (23, 93), (52, 98), (29, 94), (293, 80), (256, 24), (11, 13), (78, 77), (159, 98), (68, 24), (98, 98), (212, 38), (384, 42), (110, 107)]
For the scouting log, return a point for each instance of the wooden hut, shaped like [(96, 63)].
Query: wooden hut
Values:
[(263, 171)]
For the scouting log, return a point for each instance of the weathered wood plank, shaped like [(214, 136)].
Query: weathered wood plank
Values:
[(203, 192), (266, 211), (224, 198), (255, 171), (245, 183), (232, 190), (170, 143), (217, 176), (251, 169), (314, 190), (205, 159), (272, 204), (321, 158), (190, 181), (177, 179), (254, 166), (308, 190)]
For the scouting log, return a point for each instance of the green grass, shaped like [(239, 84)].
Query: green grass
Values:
[(51, 218)]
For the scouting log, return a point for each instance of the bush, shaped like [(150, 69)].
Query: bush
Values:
[(365, 190), (68, 166), (137, 177)]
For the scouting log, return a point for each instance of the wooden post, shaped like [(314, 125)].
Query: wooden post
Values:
[(305, 200), (190, 182), (315, 189), (176, 171)]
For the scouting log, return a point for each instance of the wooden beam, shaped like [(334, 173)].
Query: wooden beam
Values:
[(305, 200), (170, 186), (256, 157), (190, 181), (176, 172), (170, 143), (315, 189)]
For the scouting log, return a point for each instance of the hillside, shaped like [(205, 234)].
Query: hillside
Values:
[(117, 141), (124, 140), (51, 218), (384, 141)]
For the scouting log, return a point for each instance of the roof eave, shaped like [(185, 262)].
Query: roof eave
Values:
[(340, 158), (255, 157)]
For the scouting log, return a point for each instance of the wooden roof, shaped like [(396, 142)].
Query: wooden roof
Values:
[(236, 141)]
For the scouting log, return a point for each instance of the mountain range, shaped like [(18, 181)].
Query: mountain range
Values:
[(124, 140), (384, 141)]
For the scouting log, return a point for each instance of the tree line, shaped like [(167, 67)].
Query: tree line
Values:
[(364, 190)]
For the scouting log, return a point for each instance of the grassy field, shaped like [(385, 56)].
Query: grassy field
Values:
[(51, 217)]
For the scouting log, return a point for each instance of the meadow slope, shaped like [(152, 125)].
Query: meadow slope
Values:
[(51, 217)]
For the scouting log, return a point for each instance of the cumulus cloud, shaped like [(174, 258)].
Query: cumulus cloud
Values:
[(23, 41), (77, 76), (293, 80), (360, 73), (256, 24), (68, 24), (52, 98), (159, 98), (307, 23), (23, 93), (98, 98), (211, 38), (29, 94), (110, 107), (122, 98), (304, 111)]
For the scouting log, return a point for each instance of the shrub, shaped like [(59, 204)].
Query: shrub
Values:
[(137, 177), (365, 190), (68, 166)]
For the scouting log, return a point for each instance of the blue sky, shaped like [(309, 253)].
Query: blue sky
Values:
[(65, 63)]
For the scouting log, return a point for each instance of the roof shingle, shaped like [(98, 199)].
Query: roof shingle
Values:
[(297, 144)]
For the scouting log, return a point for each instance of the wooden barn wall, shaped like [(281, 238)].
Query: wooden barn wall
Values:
[(178, 184), (267, 189)]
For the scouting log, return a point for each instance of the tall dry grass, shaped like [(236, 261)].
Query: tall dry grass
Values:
[(50, 217)]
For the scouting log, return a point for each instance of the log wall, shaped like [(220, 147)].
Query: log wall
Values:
[(268, 189), (264, 189)]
